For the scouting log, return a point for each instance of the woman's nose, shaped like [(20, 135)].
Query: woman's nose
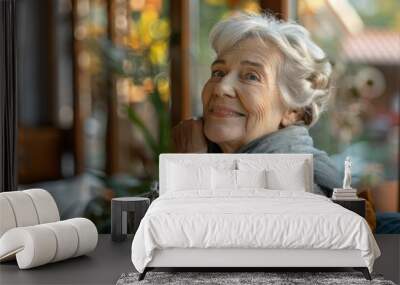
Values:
[(226, 86)]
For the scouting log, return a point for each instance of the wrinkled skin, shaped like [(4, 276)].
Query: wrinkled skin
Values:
[(241, 101)]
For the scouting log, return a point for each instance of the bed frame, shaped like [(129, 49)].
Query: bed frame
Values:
[(249, 259), (234, 259)]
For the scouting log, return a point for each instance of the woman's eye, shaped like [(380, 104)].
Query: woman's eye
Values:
[(217, 73), (251, 76)]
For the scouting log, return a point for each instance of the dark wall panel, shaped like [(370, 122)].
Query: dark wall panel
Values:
[(8, 97)]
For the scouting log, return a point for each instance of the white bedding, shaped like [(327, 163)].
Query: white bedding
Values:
[(251, 218)]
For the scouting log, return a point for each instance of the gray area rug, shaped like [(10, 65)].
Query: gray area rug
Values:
[(228, 278)]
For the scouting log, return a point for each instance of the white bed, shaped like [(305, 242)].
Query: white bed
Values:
[(201, 223)]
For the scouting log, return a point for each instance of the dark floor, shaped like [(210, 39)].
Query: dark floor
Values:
[(389, 262), (110, 260), (103, 266)]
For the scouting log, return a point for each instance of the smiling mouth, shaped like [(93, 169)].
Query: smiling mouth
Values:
[(224, 112)]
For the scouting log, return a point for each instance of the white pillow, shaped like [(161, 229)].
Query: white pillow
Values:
[(228, 179), (181, 177), (251, 178), (292, 181), (282, 174), (224, 179)]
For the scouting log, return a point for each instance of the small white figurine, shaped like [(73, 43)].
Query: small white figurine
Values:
[(347, 174)]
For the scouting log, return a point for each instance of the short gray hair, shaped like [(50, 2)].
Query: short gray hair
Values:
[(304, 77)]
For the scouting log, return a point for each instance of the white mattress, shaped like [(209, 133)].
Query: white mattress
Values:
[(251, 219)]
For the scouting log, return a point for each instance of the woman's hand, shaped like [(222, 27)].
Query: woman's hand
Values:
[(188, 137)]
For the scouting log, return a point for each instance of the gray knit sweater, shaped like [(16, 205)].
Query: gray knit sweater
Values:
[(295, 139)]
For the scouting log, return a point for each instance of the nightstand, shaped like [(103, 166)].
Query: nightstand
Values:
[(120, 207), (356, 205)]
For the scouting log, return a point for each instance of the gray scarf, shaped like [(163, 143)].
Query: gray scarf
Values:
[(295, 139)]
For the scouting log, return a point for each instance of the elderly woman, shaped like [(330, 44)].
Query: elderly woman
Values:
[(269, 83)]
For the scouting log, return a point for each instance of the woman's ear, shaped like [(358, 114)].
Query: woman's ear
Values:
[(290, 117)]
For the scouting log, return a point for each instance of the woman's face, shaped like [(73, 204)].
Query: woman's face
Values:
[(241, 100)]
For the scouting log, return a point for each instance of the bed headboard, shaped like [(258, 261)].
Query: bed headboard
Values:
[(284, 163)]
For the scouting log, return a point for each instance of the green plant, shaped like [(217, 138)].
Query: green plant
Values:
[(142, 71)]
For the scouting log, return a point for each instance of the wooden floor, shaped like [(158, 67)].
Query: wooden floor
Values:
[(110, 260)]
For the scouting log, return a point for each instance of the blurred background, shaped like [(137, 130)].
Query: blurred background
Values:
[(101, 83)]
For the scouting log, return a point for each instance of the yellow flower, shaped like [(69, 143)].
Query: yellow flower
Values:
[(158, 52), (160, 30), (163, 89), (147, 19)]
